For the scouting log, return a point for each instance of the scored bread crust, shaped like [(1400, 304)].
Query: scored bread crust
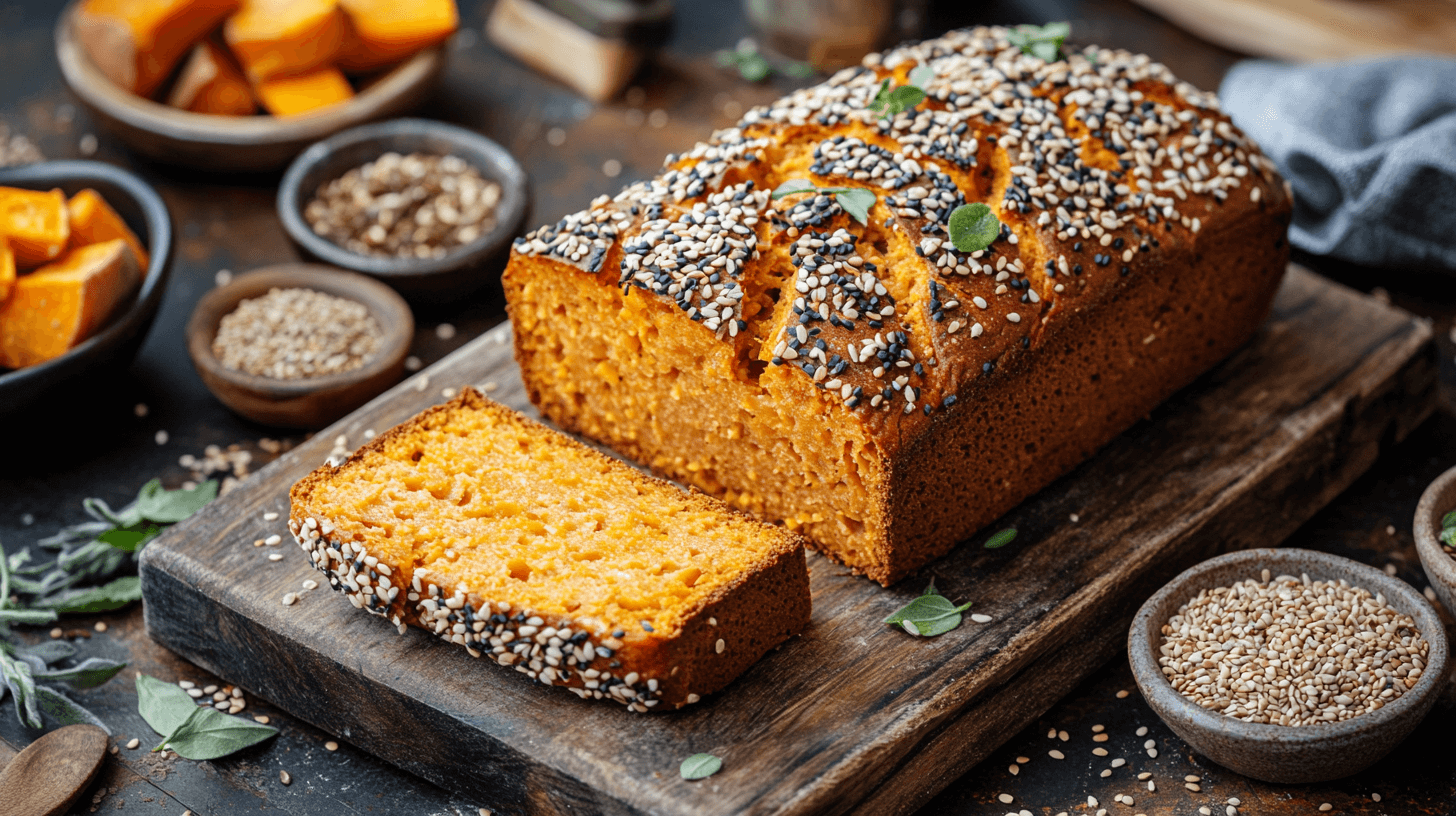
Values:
[(727, 631), (704, 329)]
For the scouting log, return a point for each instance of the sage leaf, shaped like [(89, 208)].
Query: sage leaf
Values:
[(929, 615), (791, 187), (50, 651), (114, 595), (1001, 539), (700, 766), (65, 710), (89, 673), (156, 503), (163, 705), (18, 680), (208, 734), (31, 617), (921, 76), (129, 539), (857, 202), (973, 227)]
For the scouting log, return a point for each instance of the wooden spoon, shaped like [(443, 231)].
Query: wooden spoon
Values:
[(50, 774)]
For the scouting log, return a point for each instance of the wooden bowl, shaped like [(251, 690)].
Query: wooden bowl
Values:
[(233, 143), (1438, 500), (1280, 753), (316, 401), (112, 348), (460, 272)]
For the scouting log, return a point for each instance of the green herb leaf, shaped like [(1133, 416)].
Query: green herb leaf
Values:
[(156, 503), (1001, 539), (113, 595), (18, 680), (1449, 520), (1044, 42), (929, 615), (1448, 536), (208, 734), (857, 202), (922, 76), (973, 227), (89, 673), (882, 97), (29, 617), (129, 539), (906, 97), (163, 705), (699, 766), (798, 70), (791, 187), (65, 710), (50, 651)]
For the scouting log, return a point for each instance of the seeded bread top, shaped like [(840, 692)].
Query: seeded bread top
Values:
[(1101, 167)]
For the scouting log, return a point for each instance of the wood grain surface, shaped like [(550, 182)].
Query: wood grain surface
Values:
[(833, 721)]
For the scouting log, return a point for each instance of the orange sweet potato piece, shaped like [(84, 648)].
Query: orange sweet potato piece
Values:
[(211, 83), (93, 221), (137, 42), (276, 38), (36, 224), (57, 306), (7, 269), (387, 31), (291, 96)]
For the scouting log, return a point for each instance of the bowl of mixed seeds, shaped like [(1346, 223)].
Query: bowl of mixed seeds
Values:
[(424, 206), (1435, 532), (299, 345), (1289, 665)]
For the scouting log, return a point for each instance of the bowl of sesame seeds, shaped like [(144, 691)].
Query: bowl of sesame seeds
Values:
[(1289, 665), (299, 345), (1437, 546), (424, 206)]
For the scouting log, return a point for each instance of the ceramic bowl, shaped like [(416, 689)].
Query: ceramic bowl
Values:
[(1438, 500), (1276, 753), (112, 348), (307, 403), (234, 144), (463, 270)]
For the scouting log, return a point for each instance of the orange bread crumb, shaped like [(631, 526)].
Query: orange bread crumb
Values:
[(470, 513), (36, 224), (93, 221), (275, 38), (61, 304), (291, 96), (210, 83), (136, 43), (387, 31)]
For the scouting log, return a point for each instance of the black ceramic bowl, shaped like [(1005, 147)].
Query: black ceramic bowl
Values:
[(459, 273), (114, 346)]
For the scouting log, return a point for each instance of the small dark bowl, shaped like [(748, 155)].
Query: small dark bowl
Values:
[(1438, 500), (1279, 753), (116, 344), (235, 144), (316, 401), (457, 274)]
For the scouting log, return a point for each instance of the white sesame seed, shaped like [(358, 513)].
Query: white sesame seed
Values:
[(273, 540), (1326, 806), (161, 437), (1006, 798), (1014, 769), (1055, 754), (270, 516), (133, 743), (275, 556), (720, 646), (285, 778), (331, 745), (289, 599), (140, 409), (1142, 731)]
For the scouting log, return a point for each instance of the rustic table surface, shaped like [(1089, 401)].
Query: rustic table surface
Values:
[(108, 445)]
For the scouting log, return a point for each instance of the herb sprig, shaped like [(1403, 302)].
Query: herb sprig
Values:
[(855, 200), (929, 615), (1044, 42), (1001, 539), (973, 227), (1448, 529), (753, 66), (700, 766), (194, 731), (892, 102)]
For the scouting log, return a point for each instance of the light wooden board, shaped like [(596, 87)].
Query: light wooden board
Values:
[(1308, 30), (833, 721)]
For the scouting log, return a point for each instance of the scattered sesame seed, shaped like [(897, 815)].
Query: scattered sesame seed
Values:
[(1099, 751), (1023, 760), (1119, 762), (1144, 775), (331, 745), (161, 437), (285, 777), (1055, 754), (1106, 772), (448, 393), (1326, 806), (1014, 769), (140, 409), (132, 743), (1142, 731), (1099, 738), (310, 584), (1063, 736), (1234, 800), (210, 690), (100, 626), (261, 718), (194, 693), (1006, 798), (1098, 729), (1153, 753), (1188, 778), (186, 684), (270, 516), (88, 144), (445, 331), (1121, 695), (413, 363), (1374, 797), (273, 540), (1192, 786), (290, 598), (275, 556), (56, 633)]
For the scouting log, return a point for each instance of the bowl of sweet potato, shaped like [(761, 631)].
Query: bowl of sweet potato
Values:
[(244, 85), (85, 252)]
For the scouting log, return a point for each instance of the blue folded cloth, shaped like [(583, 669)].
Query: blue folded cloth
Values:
[(1370, 149)]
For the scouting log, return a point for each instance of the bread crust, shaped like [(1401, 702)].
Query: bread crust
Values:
[(946, 386), (719, 638)]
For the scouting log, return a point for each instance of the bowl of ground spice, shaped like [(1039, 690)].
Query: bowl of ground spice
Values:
[(1435, 531), (1289, 665), (427, 207), (299, 345)]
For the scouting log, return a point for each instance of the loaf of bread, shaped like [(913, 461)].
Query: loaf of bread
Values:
[(516, 542), (868, 384)]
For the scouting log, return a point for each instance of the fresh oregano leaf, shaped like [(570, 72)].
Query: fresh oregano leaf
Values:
[(856, 201), (791, 187), (156, 503), (700, 766), (163, 705), (1001, 539), (1044, 42), (89, 673), (65, 710), (906, 97), (973, 227), (208, 734), (929, 615), (921, 76), (114, 595), (882, 98)]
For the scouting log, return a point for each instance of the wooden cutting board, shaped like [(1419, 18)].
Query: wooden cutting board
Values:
[(834, 720)]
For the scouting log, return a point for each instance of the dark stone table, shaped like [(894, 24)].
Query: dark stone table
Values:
[(105, 445)]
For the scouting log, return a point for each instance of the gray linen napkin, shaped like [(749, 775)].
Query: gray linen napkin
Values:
[(1370, 148)]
